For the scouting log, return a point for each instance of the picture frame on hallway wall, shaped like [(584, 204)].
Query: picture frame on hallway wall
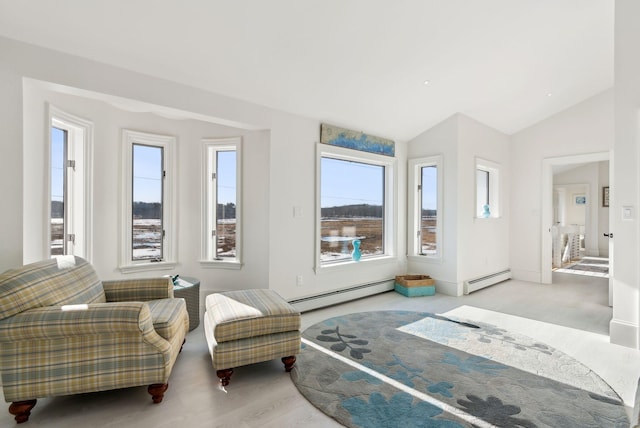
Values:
[(580, 199), (605, 196)]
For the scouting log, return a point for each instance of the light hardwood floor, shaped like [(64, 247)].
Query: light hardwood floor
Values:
[(571, 315)]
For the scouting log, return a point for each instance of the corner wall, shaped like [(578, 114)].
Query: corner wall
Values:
[(471, 247), (582, 129), (625, 190)]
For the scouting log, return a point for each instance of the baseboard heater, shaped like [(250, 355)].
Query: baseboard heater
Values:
[(342, 295), (476, 284)]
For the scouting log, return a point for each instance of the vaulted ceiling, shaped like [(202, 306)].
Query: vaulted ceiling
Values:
[(361, 64)]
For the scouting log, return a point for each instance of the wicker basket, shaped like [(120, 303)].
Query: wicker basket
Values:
[(414, 280)]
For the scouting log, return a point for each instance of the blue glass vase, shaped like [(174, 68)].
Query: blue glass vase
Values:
[(355, 254), (486, 213)]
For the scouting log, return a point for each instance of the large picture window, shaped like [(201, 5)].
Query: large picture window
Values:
[(148, 210), (355, 192), (425, 183), (221, 217)]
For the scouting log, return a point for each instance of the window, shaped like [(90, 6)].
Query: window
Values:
[(425, 230), (59, 179), (355, 192), (148, 184), (148, 193), (69, 219), (487, 189), (221, 218)]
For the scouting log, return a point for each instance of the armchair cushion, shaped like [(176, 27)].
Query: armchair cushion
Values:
[(168, 316), (139, 290), (45, 283)]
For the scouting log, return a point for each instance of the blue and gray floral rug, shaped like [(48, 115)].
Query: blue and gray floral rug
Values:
[(417, 369)]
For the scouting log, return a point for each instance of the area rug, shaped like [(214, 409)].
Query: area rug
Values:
[(418, 369), (588, 264)]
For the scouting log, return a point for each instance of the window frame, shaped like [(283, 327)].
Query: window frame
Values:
[(414, 241), (390, 206), (168, 143), (494, 188), (210, 148), (80, 148)]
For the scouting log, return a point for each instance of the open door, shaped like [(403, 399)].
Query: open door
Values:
[(547, 214)]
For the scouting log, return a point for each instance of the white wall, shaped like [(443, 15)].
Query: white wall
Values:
[(279, 171), (11, 153), (483, 244), (625, 186), (442, 139), (582, 129), (108, 122), (472, 247)]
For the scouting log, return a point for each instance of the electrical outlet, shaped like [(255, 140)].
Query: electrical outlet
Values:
[(299, 281)]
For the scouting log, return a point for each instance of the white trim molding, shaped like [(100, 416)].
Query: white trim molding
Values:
[(169, 252)]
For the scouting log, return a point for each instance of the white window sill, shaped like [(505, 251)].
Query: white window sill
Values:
[(352, 265), (425, 259), (221, 264), (147, 267)]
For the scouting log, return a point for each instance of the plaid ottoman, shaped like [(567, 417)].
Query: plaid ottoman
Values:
[(250, 326)]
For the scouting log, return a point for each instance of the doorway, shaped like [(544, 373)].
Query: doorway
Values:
[(596, 222)]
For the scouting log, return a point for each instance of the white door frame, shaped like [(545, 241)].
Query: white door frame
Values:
[(547, 203)]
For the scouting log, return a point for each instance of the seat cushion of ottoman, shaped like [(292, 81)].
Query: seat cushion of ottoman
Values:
[(249, 313), (252, 350)]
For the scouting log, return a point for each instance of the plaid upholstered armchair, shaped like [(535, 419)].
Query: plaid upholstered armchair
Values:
[(63, 331)]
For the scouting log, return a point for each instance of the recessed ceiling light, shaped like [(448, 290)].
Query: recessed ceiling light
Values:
[(549, 94), (426, 82)]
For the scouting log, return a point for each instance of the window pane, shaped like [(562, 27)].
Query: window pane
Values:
[(58, 161), (482, 191), (429, 210), (352, 207), (226, 204), (147, 202)]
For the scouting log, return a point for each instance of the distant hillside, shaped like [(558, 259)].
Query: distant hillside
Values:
[(360, 210), (154, 210)]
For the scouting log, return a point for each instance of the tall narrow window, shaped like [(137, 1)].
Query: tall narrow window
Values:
[(487, 189), (59, 161), (69, 219), (147, 230), (355, 205), (425, 213), (429, 210), (482, 192), (221, 237), (148, 194)]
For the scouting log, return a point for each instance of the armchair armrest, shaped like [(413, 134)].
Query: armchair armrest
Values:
[(138, 290), (96, 318)]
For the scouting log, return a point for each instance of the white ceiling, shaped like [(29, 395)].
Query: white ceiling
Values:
[(360, 64)]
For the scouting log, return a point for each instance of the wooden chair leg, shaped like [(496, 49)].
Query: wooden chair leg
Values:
[(22, 410), (225, 376), (289, 362), (157, 391)]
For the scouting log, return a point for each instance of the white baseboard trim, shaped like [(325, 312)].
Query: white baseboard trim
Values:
[(448, 288), (623, 333), (341, 295), (526, 275)]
